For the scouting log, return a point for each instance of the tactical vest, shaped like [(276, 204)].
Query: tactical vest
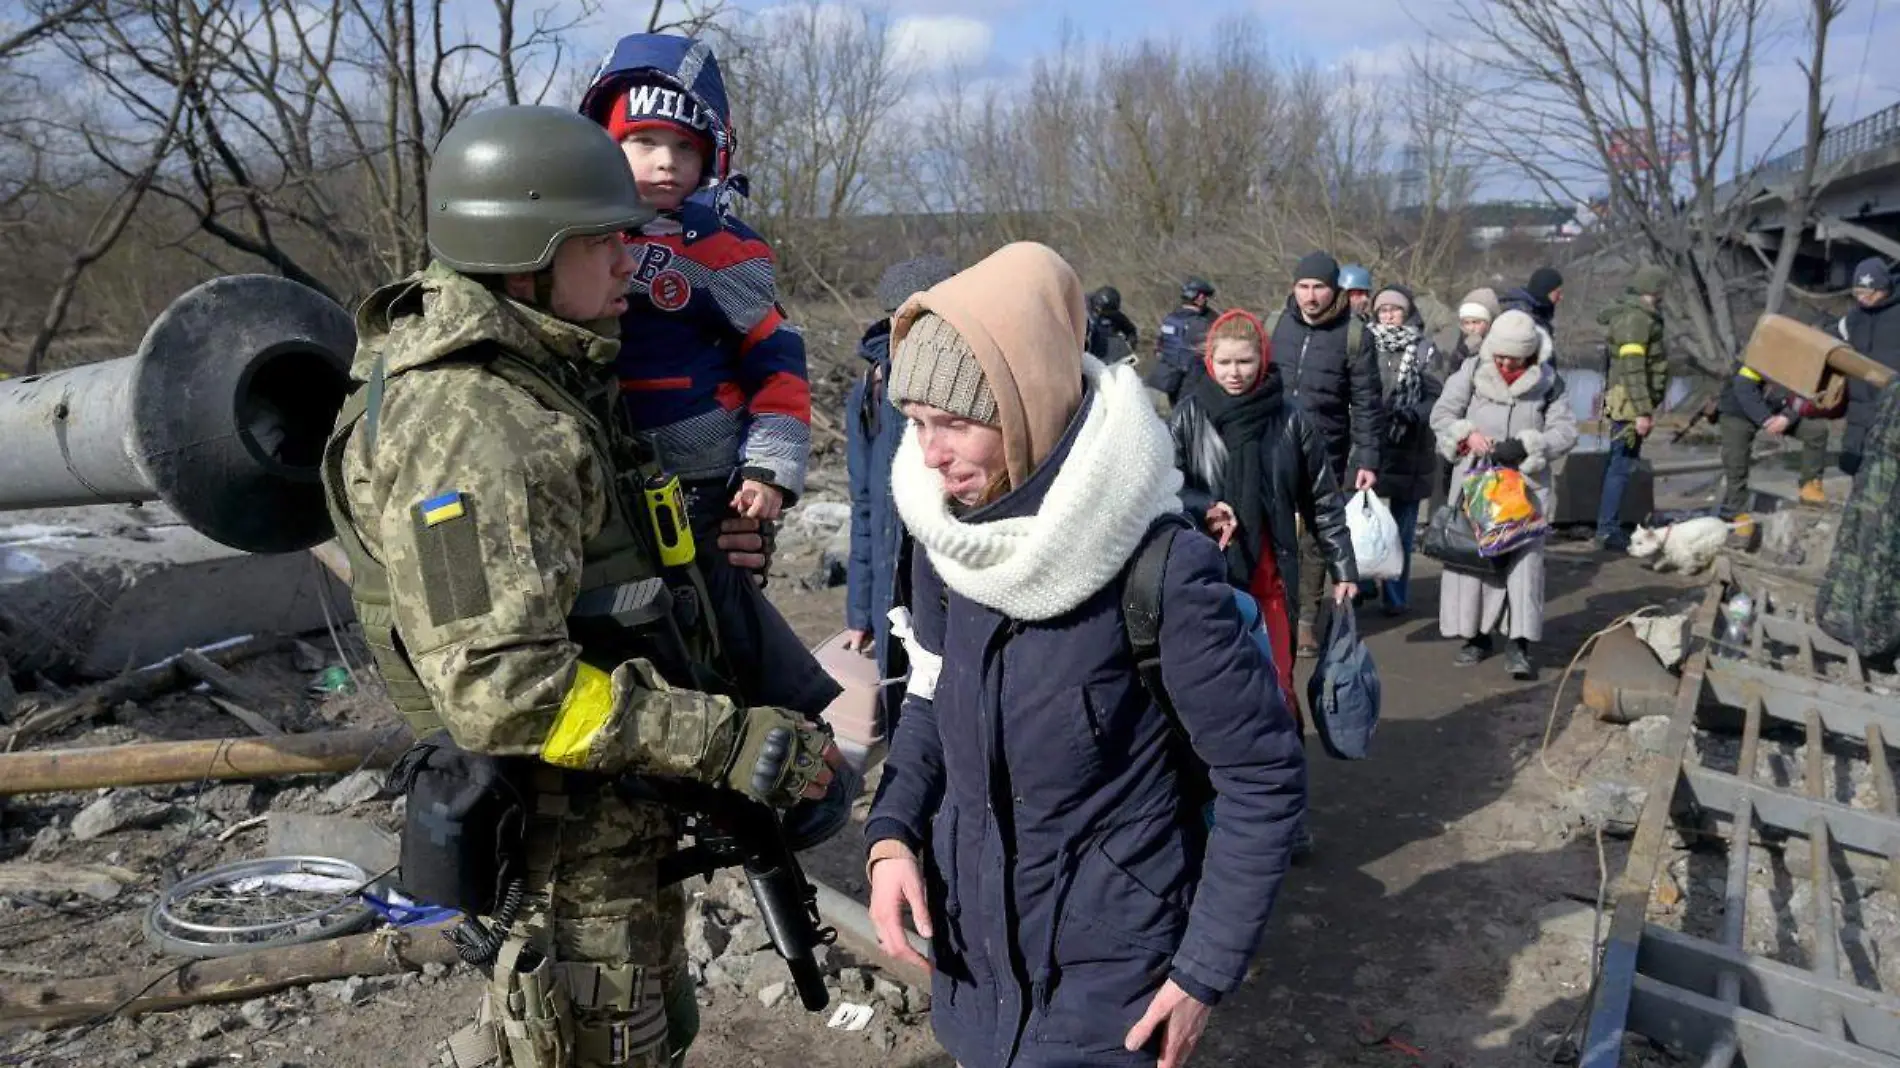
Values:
[(623, 552)]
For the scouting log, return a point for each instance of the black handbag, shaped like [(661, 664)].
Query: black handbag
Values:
[(1450, 540)]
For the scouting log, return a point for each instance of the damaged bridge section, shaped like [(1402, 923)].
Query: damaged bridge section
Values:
[(1780, 959)]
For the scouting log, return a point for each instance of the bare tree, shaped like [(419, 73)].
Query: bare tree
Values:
[(1643, 96), (1803, 184)]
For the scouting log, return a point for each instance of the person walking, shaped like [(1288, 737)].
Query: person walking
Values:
[(1503, 407), (1408, 457), (1038, 817)]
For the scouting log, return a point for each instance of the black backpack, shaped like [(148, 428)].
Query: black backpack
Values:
[(1141, 615)]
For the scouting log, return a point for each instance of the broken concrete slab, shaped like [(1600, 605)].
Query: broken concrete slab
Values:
[(117, 811), (96, 591), (353, 789)]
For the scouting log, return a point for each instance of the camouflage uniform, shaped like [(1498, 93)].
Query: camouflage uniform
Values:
[(1637, 382), (477, 490)]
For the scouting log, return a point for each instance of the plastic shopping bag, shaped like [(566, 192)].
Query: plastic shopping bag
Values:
[(1375, 537), (1503, 510)]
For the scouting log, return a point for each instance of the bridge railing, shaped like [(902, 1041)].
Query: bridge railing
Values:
[(1878, 130)]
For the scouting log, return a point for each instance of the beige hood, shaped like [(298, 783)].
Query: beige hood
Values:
[(1021, 311)]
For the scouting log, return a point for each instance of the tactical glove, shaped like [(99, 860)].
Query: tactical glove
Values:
[(1510, 452), (779, 754)]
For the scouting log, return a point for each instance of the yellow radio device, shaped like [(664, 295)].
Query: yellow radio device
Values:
[(666, 509)]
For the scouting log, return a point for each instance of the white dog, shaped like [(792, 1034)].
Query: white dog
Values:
[(1688, 546)]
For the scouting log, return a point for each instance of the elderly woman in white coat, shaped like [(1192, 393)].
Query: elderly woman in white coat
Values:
[(1503, 406)]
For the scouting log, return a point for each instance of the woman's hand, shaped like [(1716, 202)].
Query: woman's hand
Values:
[(897, 883), (1222, 522), (1344, 591), (1477, 444), (1178, 1017), (857, 641)]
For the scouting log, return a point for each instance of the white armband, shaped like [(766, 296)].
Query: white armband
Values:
[(924, 664)]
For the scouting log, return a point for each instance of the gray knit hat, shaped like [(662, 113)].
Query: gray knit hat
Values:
[(1515, 335), (933, 365), (900, 280)]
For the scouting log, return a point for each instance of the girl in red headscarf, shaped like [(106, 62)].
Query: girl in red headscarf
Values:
[(1255, 472)]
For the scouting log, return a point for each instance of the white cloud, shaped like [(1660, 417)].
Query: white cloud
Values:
[(931, 43)]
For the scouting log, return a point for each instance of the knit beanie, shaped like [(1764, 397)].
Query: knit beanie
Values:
[(933, 365), (1480, 303), (1872, 273), (1317, 266), (1392, 298), (1544, 282), (649, 105), (900, 280), (1515, 334), (1650, 280)]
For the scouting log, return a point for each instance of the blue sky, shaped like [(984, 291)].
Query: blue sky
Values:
[(999, 39)]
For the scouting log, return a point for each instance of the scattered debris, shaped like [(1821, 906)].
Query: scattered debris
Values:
[(1650, 734), (140, 685), (307, 658), (353, 789), (117, 811), (850, 1016), (101, 882)]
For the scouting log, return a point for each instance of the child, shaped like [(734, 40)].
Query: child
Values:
[(708, 365)]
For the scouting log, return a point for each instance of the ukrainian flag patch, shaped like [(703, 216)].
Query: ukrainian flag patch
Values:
[(442, 508)]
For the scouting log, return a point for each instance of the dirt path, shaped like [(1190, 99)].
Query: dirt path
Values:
[(1441, 910)]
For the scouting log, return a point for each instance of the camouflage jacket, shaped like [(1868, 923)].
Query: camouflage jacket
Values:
[(1639, 364), (479, 502)]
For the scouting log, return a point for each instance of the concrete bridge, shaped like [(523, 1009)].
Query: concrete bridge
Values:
[(1858, 211)]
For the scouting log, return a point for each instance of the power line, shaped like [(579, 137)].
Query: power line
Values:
[(1867, 46)]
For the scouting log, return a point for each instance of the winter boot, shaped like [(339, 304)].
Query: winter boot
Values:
[(1517, 658), (1812, 492), (1474, 650)]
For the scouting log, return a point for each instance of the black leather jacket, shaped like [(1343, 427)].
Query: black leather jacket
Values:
[(1301, 483)]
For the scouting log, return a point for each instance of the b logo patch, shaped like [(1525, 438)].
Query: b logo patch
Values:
[(669, 291)]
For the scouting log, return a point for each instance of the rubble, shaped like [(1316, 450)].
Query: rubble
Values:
[(353, 789), (117, 811), (1650, 734)]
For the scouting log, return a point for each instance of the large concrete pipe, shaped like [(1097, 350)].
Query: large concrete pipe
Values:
[(222, 414)]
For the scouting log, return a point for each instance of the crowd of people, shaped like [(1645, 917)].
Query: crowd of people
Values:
[(556, 485)]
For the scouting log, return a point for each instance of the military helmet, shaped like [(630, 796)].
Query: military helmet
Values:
[(508, 185), (1196, 287), (1104, 300), (1353, 276)]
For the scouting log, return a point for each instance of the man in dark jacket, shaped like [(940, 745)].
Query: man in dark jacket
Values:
[(1539, 298), (1111, 335), (1873, 328), (1325, 353), (873, 430), (1179, 342), (1748, 403)]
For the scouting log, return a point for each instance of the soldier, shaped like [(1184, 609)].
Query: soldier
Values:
[(542, 636), (1639, 376), (1180, 340), (1111, 335)]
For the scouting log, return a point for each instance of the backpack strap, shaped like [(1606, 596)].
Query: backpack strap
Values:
[(1141, 605)]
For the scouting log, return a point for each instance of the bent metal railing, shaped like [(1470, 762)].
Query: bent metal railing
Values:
[(1712, 997)]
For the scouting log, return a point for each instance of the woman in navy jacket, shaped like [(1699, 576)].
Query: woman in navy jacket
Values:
[(1032, 817)]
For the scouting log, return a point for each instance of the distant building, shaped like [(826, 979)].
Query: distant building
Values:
[(1490, 224)]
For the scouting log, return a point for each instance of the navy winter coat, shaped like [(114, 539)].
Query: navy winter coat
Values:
[(1338, 389), (1065, 880), (873, 430), (1180, 345), (1875, 333)]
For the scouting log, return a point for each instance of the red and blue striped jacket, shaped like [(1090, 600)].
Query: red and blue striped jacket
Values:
[(708, 363)]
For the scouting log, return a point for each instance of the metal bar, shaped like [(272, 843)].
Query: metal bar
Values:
[(1771, 988), (1889, 802), (1671, 1014), (1610, 1009), (1788, 631), (1806, 664), (1845, 710), (1826, 961), (1863, 832), (1728, 987)]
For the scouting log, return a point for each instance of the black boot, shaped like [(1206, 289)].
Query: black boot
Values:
[(1474, 650), (1517, 657)]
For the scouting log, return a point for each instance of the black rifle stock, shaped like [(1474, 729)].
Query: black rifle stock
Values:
[(732, 830)]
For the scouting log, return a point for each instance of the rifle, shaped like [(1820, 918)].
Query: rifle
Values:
[(732, 830), (1711, 409)]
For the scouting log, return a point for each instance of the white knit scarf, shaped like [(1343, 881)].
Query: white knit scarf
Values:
[(1117, 479)]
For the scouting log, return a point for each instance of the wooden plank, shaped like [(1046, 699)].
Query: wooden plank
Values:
[(247, 717), (240, 978), (139, 685)]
